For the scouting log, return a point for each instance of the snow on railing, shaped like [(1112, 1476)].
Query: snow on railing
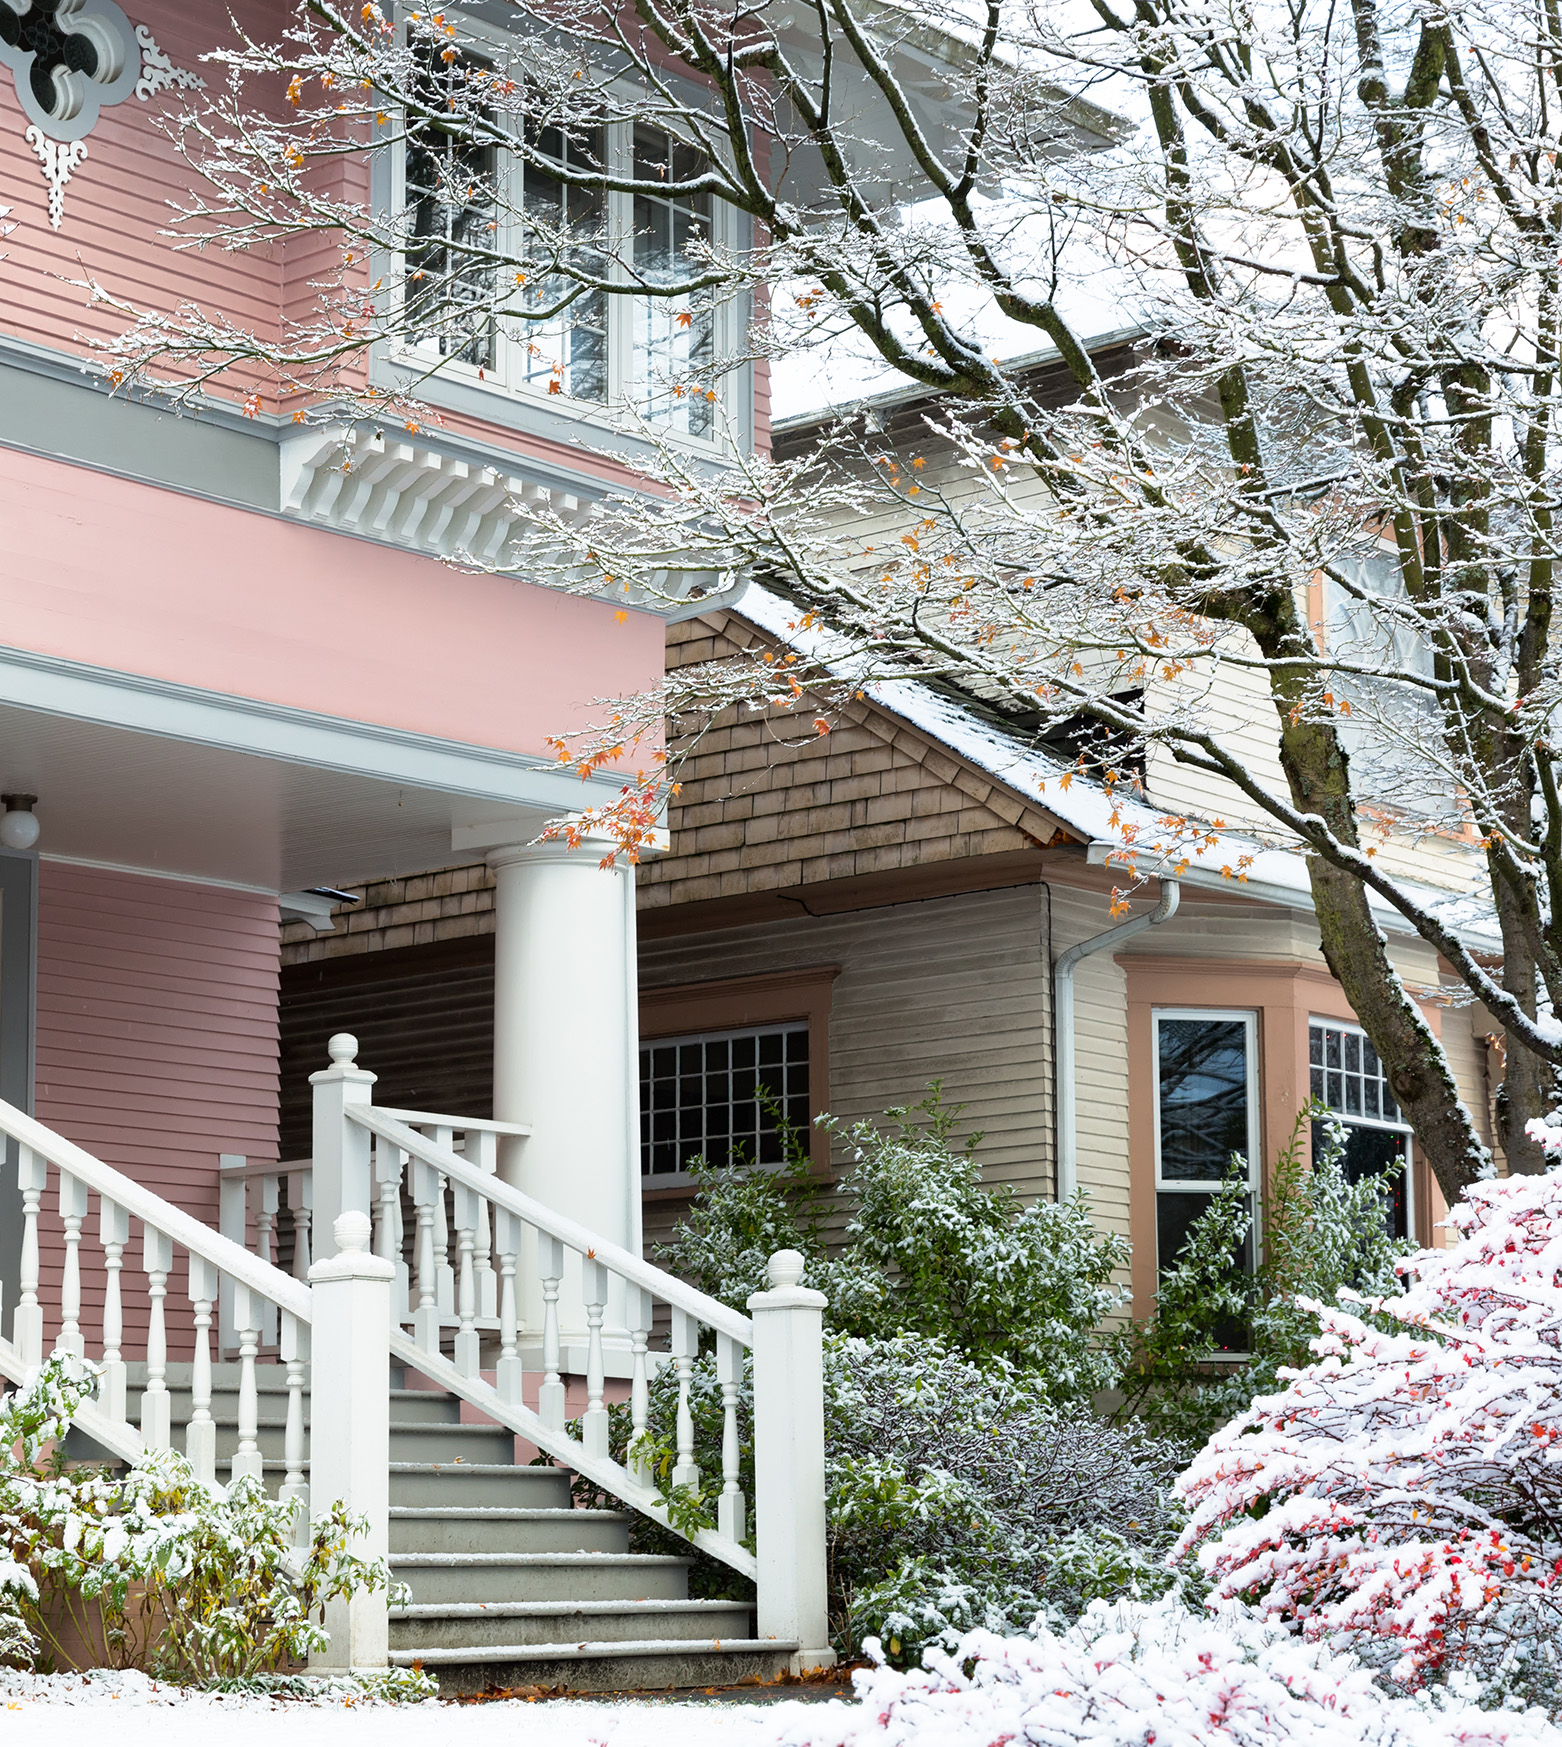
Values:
[(383, 1161), (218, 1270)]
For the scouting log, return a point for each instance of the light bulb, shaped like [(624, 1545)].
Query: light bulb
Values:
[(19, 827)]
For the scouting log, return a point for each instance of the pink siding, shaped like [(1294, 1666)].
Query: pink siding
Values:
[(408, 642), (157, 1050)]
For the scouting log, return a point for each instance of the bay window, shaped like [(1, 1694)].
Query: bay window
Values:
[(1349, 1081)]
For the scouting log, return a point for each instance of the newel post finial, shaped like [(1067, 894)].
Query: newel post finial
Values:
[(786, 1269), (343, 1049), (352, 1231)]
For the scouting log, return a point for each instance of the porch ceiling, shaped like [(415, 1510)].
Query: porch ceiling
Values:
[(180, 807)]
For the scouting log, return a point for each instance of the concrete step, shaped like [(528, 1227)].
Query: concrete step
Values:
[(612, 1666), (489, 1529), (420, 1441), (457, 1577), (458, 1625), (503, 1485)]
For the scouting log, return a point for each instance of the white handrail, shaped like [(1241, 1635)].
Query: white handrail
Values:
[(252, 1168), (638, 1272), (477, 1124), (173, 1222)]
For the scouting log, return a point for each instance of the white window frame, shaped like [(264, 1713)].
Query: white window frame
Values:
[(504, 381), (1348, 1121), (1249, 1018)]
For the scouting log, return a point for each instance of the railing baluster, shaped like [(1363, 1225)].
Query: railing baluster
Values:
[(200, 1435), (233, 1223), (594, 1428), (246, 1313), (639, 1309), (550, 1397), (157, 1257), (685, 1347), (73, 1210), (389, 1164), (27, 1325), (468, 1358), (426, 1192), (483, 1151), (444, 1137), (267, 1203), (114, 1232), (294, 1341), (303, 1219), (729, 1374), (507, 1238)]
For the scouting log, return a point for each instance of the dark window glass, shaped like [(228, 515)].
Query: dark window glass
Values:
[(703, 1096), (1175, 1215), (1376, 1152), (1202, 1097)]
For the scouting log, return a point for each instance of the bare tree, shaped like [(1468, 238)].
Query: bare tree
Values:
[(1329, 481)]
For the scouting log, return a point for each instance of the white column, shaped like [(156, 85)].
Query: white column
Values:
[(789, 1518), (566, 1043), (349, 1447)]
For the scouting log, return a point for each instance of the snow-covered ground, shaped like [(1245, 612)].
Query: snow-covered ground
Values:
[(129, 1711)]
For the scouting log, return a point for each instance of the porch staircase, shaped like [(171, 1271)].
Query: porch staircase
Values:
[(511, 1585)]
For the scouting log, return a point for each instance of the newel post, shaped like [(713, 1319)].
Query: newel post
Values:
[(350, 1426), (789, 1523), (340, 1151)]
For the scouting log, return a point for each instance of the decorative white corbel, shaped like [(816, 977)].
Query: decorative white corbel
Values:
[(58, 159), (158, 73)]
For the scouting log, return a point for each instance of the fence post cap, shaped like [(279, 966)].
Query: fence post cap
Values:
[(343, 1049)]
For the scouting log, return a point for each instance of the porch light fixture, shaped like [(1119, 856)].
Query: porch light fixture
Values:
[(19, 828)]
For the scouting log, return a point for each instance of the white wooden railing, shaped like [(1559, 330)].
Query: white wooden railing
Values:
[(433, 1262), (217, 1271)]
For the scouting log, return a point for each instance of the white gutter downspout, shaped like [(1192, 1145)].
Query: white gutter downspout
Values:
[(1063, 1022)]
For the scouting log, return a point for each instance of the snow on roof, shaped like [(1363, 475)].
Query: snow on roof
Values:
[(1118, 829)]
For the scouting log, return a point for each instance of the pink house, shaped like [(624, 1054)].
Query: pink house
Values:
[(236, 672)]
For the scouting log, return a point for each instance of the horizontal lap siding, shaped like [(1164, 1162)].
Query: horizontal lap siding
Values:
[(157, 1050), (954, 988)]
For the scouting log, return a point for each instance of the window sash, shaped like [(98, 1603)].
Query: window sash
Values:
[(1322, 1073), (513, 368), (1249, 1022), (698, 1098)]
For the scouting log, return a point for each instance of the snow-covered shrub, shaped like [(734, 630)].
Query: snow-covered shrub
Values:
[(1321, 1232), (928, 1249), (151, 1567), (1146, 1675), (959, 1496), (1404, 1492)]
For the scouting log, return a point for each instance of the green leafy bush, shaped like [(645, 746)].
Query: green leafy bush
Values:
[(927, 1249), (150, 1568), (1320, 1232)]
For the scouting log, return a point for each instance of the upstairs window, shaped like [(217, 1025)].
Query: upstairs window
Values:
[(548, 335), (1348, 1079), (706, 1095)]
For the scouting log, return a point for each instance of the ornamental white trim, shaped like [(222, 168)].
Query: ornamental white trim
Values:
[(127, 60), (58, 159)]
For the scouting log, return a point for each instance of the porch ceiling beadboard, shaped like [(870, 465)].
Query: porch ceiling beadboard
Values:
[(156, 1042)]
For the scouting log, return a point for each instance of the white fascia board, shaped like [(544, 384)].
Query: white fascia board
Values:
[(57, 687)]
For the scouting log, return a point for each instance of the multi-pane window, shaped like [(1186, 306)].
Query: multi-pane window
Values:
[(567, 352), (1348, 1079), (453, 210), (716, 1095), (546, 334), (675, 339), (1206, 1123)]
